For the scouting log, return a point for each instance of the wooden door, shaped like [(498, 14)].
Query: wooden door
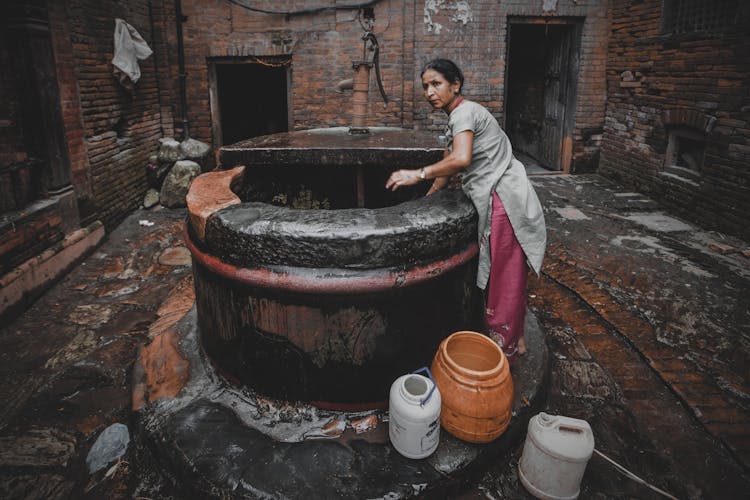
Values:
[(560, 91), (558, 47)]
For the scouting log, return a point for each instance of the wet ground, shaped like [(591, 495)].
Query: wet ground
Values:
[(647, 320)]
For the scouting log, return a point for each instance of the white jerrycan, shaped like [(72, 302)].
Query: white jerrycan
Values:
[(555, 455)]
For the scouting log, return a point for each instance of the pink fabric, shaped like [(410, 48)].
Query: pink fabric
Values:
[(506, 290)]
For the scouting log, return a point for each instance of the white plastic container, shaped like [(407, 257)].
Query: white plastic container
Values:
[(414, 422), (555, 455)]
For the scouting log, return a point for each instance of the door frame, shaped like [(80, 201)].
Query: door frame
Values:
[(571, 87), (213, 91)]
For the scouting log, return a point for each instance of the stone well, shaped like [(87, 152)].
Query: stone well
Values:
[(313, 283), (314, 290)]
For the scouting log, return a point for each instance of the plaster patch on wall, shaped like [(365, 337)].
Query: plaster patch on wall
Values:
[(462, 13), (549, 5)]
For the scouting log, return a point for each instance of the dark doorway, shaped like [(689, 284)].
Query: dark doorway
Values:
[(249, 99), (540, 101)]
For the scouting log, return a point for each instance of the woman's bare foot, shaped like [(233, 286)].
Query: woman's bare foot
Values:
[(521, 346)]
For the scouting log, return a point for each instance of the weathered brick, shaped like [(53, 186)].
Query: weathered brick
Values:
[(687, 76)]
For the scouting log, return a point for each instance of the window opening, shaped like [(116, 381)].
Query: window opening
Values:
[(686, 152), (687, 16)]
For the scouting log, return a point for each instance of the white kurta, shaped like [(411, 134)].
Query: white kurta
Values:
[(494, 168)]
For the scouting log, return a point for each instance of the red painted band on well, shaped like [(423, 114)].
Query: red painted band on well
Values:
[(320, 283)]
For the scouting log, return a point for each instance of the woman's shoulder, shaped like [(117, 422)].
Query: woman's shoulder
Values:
[(466, 110), (472, 108), (474, 112), (478, 108), (474, 105)]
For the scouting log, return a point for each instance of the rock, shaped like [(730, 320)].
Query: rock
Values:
[(109, 446), (175, 256), (169, 151), (177, 183), (195, 150), (151, 198)]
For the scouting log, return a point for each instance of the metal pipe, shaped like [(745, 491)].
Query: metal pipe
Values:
[(179, 19), (361, 91), (343, 85)]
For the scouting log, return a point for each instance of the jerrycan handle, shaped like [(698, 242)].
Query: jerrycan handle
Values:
[(569, 428), (563, 424), (429, 375)]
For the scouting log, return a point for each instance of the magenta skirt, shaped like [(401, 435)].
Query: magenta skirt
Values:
[(506, 289)]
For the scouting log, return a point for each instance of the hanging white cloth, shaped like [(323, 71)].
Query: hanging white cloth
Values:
[(130, 47)]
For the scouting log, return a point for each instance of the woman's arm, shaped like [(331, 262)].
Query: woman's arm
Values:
[(440, 182), (452, 163)]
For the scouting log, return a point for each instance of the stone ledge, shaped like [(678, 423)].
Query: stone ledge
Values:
[(209, 193), (27, 280)]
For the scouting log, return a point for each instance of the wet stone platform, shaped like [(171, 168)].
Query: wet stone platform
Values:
[(219, 439), (644, 321)]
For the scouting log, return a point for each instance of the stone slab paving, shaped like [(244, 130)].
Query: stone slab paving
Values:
[(647, 324), (221, 440), (662, 284), (65, 363)]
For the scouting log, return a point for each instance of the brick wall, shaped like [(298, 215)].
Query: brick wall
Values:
[(12, 149), (698, 81), (35, 230), (323, 44), (111, 131), (70, 99), (475, 35)]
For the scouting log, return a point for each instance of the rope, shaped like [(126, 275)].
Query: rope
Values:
[(632, 476), (266, 61)]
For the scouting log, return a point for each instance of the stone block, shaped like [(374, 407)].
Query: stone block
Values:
[(177, 183), (169, 151), (196, 151)]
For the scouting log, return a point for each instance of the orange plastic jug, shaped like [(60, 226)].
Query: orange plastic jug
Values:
[(473, 377)]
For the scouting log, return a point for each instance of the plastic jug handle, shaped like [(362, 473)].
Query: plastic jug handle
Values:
[(568, 427), (429, 375)]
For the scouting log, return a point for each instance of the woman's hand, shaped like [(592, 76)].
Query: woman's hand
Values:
[(453, 162), (401, 178), (438, 184)]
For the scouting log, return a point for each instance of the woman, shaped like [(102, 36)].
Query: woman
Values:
[(512, 233)]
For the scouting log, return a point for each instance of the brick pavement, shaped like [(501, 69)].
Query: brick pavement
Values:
[(670, 293), (646, 320), (659, 308)]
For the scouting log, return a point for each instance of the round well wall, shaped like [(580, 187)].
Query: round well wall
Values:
[(318, 285)]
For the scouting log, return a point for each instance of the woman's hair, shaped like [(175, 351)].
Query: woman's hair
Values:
[(447, 68)]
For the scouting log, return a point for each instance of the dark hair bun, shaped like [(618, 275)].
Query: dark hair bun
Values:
[(447, 68)]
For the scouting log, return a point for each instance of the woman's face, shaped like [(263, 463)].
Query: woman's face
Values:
[(438, 91)]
